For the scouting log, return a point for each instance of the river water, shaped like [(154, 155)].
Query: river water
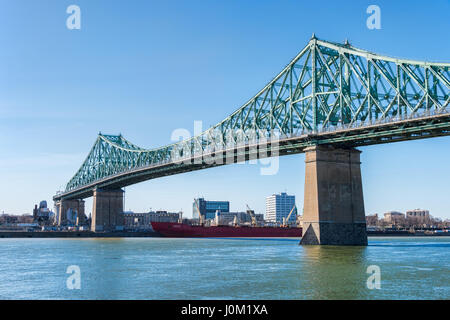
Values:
[(160, 268)]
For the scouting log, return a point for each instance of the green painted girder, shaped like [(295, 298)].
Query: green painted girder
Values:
[(326, 87)]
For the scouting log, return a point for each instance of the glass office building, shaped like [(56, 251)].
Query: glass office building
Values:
[(208, 208)]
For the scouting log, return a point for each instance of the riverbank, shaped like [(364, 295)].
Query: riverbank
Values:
[(76, 234), (405, 234), (124, 234)]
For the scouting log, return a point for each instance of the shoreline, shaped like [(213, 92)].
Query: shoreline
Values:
[(153, 234), (406, 234), (77, 234)]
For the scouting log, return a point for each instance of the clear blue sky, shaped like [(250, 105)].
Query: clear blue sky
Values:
[(145, 68)]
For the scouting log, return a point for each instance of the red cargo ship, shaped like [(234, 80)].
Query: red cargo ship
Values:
[(180, 230)]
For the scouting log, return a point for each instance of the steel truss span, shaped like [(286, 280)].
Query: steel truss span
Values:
[(330, 93)]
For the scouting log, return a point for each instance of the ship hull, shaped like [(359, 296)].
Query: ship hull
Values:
[(178, 230)]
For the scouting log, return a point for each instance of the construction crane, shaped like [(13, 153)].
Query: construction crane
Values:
[(286, 220), (252, 215)]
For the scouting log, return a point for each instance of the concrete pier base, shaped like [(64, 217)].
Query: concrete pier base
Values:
[(107, 211), (64, 206), (333, 205)]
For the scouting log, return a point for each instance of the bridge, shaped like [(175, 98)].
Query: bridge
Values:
[(330, 99)]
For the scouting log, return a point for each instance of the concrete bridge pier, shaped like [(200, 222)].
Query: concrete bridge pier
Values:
[(333, 205), (62, 208), (107, 211)]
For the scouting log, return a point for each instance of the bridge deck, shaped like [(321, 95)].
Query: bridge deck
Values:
[(377, 133)]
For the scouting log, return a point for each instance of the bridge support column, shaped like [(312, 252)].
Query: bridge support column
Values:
[(107, 211), (333, 204), (70, 212)]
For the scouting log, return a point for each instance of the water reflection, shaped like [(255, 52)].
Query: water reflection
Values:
[(106, 268), (332, 272)]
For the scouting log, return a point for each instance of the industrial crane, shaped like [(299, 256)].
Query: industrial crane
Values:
[(252, 215), (286, 220)]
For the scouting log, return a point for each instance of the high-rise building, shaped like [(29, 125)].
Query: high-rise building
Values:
[(208, 208), (278, 206)]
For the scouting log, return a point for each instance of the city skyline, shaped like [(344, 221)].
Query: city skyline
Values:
[(235, 209), (52, 105)]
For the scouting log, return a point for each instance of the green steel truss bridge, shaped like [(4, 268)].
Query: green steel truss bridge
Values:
[(330, 93)]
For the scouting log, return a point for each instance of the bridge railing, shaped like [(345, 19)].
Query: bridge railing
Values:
[(385, 120)]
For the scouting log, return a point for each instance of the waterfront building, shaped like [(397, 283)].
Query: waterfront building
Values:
[(372, 220), (418, 214), (8, 219), (208, 208), (278, 206), (16, 222), (241, 217), (142, 220), (42, 214), (394, 217)]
